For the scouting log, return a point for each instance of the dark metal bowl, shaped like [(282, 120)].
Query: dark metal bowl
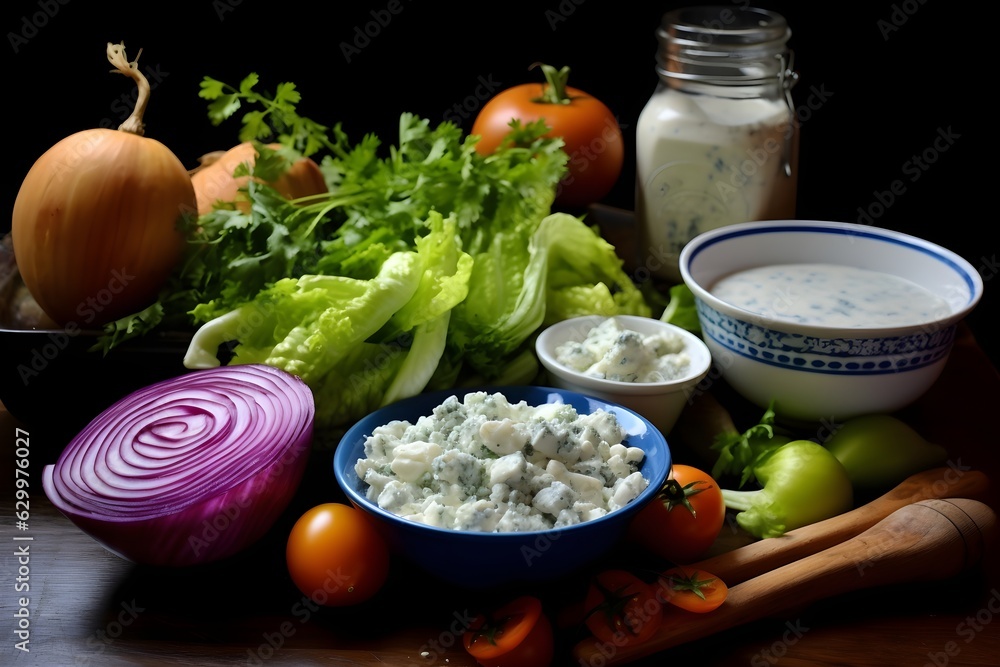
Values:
[(53, 380)]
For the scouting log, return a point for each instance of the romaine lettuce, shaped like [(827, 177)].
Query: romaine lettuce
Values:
[(426, 267)]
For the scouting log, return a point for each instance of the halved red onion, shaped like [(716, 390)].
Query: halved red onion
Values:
[(188, 470)]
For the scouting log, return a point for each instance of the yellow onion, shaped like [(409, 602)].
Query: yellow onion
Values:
[(214, 180), (96, 223)]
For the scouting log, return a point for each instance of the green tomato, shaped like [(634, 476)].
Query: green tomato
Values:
[(802, 483), (880, 451)]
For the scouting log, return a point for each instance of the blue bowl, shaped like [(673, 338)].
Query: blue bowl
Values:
[(484, 560)]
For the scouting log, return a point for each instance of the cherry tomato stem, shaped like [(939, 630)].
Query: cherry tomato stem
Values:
[(684, 520), (517, 634), (693, 590), (622, 608)]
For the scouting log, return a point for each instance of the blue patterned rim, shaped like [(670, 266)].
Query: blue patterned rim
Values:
[(839, 356), (962, 269)]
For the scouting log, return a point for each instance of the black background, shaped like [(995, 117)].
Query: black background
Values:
[(880, 82)]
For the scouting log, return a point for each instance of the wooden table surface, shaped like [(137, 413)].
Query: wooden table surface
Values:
[(87, 607)]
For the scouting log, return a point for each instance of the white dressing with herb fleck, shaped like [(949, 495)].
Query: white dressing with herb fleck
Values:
[(705, 162), (830, 295)]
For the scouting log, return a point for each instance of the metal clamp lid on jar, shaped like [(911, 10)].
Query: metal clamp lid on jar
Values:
[(727, 46), (724, 46)]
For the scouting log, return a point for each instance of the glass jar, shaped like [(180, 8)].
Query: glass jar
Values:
[(717, 143)]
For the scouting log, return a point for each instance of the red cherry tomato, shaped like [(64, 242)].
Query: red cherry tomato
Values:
[(622, 608), (591, 134), (518, 634), (684, 520), (336, 555)]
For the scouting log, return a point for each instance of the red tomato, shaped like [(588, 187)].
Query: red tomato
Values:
[(684, 520), (518, 634), (336, 555), (593, 140), (693, 590), (622, 608)]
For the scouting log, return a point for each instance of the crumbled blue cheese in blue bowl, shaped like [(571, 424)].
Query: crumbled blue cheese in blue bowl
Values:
[(483, 487)]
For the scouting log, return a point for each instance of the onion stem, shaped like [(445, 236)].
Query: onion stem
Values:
[(116, 56)]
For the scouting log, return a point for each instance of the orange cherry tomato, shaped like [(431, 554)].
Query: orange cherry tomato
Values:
[(336, 556), (622, 608), (684, 520), (591, 134), (518, 634), (692, 589)]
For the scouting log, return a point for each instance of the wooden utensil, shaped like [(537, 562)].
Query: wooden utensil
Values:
[(762, 556), (923, 541)]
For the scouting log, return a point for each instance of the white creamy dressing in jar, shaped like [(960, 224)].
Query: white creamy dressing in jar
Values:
[(717, 142), (704, 162), (613, 352), (830, 295)]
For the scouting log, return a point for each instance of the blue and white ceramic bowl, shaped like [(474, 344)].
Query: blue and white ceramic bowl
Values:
[(816, 372), (482, 560)]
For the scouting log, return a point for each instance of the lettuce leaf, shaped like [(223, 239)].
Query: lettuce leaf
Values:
[(585, 273), (428, 265), (521, 282), (682, 310), (358, 343), (306, 325)]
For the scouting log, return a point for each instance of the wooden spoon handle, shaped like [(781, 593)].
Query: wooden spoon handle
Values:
[(762, 556), (923, 541)]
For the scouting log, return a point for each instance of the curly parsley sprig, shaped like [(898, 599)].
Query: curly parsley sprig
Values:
[(278, 119), (739, 452)]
